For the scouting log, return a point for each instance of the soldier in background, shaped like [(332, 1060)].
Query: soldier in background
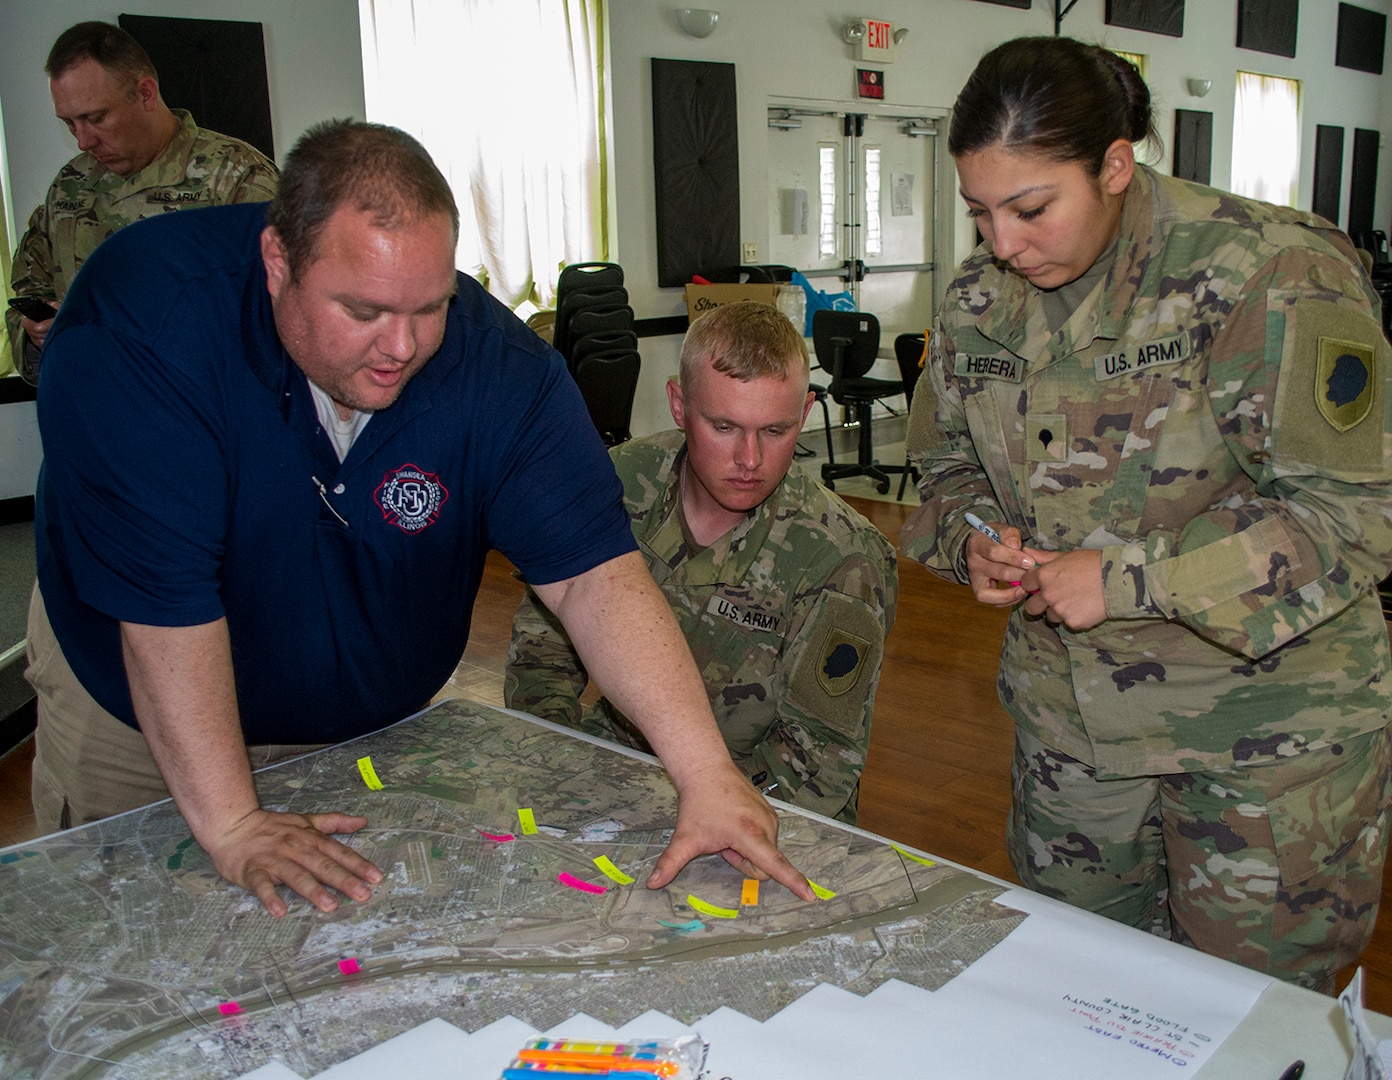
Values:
[(1169, 406), (783, 592), (139, 158)]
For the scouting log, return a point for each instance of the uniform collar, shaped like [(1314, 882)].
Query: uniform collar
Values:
[(170, 168), (735, 551)]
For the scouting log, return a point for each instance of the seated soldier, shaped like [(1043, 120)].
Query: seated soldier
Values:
[(784, 592)]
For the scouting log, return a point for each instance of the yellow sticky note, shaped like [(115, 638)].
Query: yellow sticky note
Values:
[(526, 820), (749, 895), (911, 856), (612, 871), (369, 774), (822, 892), (710, 909)]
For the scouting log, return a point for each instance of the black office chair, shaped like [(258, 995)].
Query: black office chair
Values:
[(909, 350), (850, 340)]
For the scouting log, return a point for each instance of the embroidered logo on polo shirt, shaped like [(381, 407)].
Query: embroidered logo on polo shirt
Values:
[(411, 498)]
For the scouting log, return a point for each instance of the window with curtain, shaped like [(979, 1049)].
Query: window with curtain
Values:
[(874, 227), (828, 197), (1266, 138), (509, 98)]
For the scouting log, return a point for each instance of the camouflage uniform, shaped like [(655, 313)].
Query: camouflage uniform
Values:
[(1214, 419), (786, 617), (87, 203)]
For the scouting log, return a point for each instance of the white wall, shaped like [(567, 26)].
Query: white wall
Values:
[(313, 65), (783, 49)]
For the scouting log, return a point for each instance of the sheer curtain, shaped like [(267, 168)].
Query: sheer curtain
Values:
[(1266, 138), (509, 98)]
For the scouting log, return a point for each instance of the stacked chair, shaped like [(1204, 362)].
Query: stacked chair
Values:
[(594, 333)]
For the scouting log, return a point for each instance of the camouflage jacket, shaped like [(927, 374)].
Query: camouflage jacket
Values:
[(87, 203), (1214, 418), (786, 617)]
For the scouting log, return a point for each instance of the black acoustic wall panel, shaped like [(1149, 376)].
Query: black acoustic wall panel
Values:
[(1360, 39), (1268, 26), (1363, 180), (215, 69), (696, 166), (1193, 145), (1157, 16), (1329, 171)]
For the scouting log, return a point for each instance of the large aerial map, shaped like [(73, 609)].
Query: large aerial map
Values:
[(123, 954)]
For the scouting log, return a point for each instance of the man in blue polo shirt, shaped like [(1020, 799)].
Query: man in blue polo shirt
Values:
[(278, 446)]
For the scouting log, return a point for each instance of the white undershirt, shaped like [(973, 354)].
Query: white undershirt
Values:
[(342, 433)]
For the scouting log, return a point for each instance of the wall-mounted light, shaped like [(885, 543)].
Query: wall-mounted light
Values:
[(900, 34), (853, 32), (1199, 87), (698, 22)]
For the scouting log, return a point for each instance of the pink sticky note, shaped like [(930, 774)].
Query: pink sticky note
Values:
[(501, 838), (576, 883), (229, 1008), (349, 966)]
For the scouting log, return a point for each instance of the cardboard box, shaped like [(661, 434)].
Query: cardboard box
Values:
[(703, 298)]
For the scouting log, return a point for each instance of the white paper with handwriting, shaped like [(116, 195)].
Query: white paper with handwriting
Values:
[(1065, 995)]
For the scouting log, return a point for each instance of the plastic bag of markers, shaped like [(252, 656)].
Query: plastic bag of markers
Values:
[(682, 1058)]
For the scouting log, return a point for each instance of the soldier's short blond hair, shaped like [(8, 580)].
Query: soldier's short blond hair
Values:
[(745, 340)]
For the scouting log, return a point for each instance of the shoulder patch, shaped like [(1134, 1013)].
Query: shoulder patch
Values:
[(1344, 382), (837, 664), (842, 659), (1333, 393)]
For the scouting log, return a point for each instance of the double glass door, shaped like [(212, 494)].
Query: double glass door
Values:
[(854, 204)]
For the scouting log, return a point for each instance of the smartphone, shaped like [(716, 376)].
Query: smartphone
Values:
[(31, 307)]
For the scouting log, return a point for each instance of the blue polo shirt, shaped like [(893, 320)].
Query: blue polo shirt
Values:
[(186, 478)]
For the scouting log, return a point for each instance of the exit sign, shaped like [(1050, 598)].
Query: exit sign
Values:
[(878, 42)]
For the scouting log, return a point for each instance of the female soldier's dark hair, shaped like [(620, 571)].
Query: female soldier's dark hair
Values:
[(1057, 97)]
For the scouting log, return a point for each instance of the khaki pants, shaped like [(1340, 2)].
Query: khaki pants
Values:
[(87, 764)]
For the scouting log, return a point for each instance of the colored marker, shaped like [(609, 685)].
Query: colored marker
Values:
[(575, 1074), (984, 529), (647, 1066), (990, 534), (580, 1047)]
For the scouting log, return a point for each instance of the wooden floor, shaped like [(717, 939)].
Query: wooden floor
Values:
[(938, 773)]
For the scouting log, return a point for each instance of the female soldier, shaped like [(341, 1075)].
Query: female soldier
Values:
[(1172, 406)]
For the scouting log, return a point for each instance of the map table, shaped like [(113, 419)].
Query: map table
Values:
[(515, 854)]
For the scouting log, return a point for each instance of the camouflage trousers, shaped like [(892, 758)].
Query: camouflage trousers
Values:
[(1276, 866)]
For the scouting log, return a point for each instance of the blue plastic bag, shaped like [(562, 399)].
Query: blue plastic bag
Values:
[(817, 299)]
